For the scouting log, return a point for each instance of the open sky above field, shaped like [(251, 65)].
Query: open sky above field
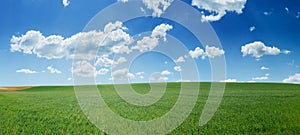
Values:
[(38, 38)]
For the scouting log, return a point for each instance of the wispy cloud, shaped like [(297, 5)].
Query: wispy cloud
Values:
[(26, 71)]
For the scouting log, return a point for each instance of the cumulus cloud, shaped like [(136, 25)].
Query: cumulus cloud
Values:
[(258, 49), (105, 61), (264, 68), (87, 43), (66, 3), (210, 52), (197, 52), (150, 42), (53, 70), (262, 78), (112, 40), (102, 71), (26, 71), (180, 60), (158, 6), (252, 28), (165, 72), (293, 79), (178, 68), (122, 74), (219, 8), (84, 69)]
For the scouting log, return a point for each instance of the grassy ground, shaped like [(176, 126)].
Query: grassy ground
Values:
[(245, 109)]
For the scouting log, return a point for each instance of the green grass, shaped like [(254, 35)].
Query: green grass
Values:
[(256, 108)]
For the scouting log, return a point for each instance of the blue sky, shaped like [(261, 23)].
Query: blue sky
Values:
[(260, 42)]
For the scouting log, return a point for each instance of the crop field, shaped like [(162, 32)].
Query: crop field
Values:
[(246, 108)]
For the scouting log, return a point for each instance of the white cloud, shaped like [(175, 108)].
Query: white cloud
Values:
[(161, 31), (286, 51), (158, 78), (119, 49), (252, 28), (165, 72), (158, 6), (267, 13), (70, 79), (105, 61), (229, 80), (122, 74), (53, 70), (293, 79), (124, 1), (130, 75), (26, 71), (66, 3), (287, 10), (84, 69), (180, 60), (197, 52), (140, 75), (178, 68), (102, 71), (57, 47), (210, 52), (265, 77), (264, 68), (298, 15), (150, 42), (218, 8), (258, 49), (120, 60)]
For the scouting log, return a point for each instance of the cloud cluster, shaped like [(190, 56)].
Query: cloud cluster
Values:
[(150, 42), (87, 43), (293, 79), (219, 8), (178, 68), (112, 40), (210, 52), (258, 49), (158, 6)]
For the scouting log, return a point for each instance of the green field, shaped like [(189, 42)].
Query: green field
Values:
[(246, 108)]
